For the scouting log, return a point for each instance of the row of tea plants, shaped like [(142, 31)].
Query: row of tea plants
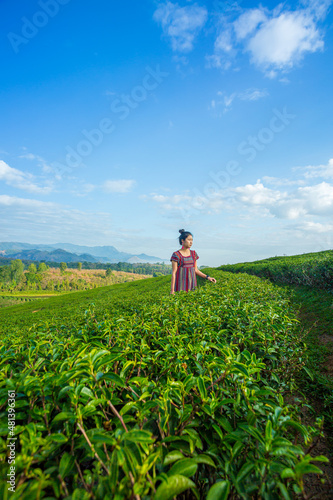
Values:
[(311, 269), (171, 396)]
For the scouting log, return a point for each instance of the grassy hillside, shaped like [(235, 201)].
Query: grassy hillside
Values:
[(312, 269), (146, 395)]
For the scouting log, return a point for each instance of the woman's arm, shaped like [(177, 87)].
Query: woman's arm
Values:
[(173, 276), (199, 273)]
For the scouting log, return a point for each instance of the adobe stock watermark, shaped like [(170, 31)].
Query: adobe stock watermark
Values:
[(30, 27), (122, 107), (248, 149), (11, 441)]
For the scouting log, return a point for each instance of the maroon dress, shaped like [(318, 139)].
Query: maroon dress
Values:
[(186, 279)]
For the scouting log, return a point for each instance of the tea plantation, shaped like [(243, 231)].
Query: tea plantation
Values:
[(311, 269), (144, 395)]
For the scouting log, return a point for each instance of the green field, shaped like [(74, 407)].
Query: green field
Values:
[(146, 395), (67, 309), (18, 299)]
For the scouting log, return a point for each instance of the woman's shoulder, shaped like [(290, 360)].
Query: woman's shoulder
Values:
[(175, 255)]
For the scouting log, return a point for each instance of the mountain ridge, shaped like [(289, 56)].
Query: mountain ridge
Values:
[(68, 252)]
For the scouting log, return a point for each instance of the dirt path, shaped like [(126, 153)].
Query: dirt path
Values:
[(316, 317)]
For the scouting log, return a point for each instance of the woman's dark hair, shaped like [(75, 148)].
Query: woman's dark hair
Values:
[(183, 235)]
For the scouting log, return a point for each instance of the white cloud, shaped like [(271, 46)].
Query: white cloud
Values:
[(223, 101), (40, 161), (317, 199), (21, 180), (323, 171), (253, 94), (319, 8), (185, 204), (313, 227), (181, 24), (282, 41), (119, 186), (217, 61), (248, 22), (83, 189), (257, 194), (290, 199), (223, 42), (26, 203), (276, 40), (276, 181), (22, 219), (314, 200)]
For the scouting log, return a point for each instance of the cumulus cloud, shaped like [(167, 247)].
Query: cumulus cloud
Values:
[(282, 41), (257, 194), (21, 180), (118, 186), (279, 198), (316, 200), (275, 40), (181, 24)]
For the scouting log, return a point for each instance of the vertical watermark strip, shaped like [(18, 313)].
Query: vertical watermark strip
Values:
[(11, 441)]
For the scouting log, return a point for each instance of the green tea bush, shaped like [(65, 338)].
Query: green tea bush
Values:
[(179, 395), (312, 269)]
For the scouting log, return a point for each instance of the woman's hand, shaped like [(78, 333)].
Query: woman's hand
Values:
[(213, 280)]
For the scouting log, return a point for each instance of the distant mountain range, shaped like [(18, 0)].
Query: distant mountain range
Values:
[(67, 252)]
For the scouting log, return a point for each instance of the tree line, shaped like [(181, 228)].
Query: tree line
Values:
[(20, 275), (139, 268)]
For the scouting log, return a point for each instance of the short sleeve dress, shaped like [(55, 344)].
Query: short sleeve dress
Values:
[(186, 279)]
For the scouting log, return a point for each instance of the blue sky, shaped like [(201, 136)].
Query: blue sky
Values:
[(123, 122)]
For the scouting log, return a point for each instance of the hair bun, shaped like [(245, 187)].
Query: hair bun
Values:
[(182, 231)]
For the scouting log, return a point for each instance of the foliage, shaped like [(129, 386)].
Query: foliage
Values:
[(32, 268), (42, 267), (16, 269), (63, 266), (138, 268), (311, 269), (59, 282), (65, 309), (162, 396), (5, 274)]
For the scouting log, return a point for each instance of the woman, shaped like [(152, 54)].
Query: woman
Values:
[(184, 265)]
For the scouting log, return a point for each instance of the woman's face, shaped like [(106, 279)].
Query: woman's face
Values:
[(188, 241)]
